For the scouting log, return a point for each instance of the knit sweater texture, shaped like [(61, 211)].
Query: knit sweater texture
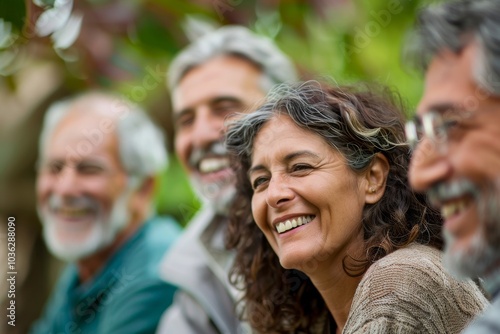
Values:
[(409, 291)]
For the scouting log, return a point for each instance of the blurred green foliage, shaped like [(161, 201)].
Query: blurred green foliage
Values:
[(174, 194)]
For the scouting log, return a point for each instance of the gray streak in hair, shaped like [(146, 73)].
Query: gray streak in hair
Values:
[(336, 121)]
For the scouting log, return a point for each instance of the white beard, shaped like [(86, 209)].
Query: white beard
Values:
[(103, 232)]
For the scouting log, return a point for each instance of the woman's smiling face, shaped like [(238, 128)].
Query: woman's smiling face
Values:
[(306, 200)]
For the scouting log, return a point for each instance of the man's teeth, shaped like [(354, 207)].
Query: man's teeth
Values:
[(70, 212), (452, 208), (293, 223), (213, 164)]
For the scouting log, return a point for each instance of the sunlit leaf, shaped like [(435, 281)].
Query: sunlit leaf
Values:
[(11, 60), (268, 24), (7, 38), (195, 26)]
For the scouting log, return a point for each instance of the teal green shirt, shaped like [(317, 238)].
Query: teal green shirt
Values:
[(127, 296)]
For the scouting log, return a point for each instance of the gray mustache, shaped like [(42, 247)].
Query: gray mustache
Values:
[(445, 191), (216, 148), (55, 202)]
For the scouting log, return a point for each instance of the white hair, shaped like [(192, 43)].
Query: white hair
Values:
[(236, 41), (141, 143)]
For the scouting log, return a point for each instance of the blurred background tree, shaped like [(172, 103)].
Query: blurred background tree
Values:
[(50, 49)]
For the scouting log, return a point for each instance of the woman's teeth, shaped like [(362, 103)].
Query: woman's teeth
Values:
[(289, 224)]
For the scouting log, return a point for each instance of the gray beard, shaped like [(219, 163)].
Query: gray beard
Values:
[(218, 196), (471, 262), (483, 253), (220, 203)]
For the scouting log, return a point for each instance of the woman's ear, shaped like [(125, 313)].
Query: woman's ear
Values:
[(376, 177)]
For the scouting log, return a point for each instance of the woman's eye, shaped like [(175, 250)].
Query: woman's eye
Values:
[(258, 181), (301, 167)]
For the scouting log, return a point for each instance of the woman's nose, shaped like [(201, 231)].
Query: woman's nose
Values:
[(278, 192)]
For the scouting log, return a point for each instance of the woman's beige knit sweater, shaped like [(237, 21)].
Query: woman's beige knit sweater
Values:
[(409, 291)]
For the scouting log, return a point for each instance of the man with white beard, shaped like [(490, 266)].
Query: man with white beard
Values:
[(99, 155), (456, 135), (224, 72)]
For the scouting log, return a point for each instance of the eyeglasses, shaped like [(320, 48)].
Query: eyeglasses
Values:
[(434, 125)]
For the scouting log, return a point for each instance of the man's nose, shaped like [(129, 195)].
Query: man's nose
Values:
[(428, 166), (207, 129), (278, 192), (66, 181)]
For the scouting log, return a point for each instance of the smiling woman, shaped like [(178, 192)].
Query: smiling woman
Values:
[(329, 236)]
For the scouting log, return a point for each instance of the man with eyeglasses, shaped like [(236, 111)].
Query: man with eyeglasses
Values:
[(456, 138)]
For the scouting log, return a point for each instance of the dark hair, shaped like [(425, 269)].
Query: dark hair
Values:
[(359, 123), (455, 24)]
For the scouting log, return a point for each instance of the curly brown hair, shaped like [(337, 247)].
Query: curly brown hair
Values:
[(359, 123)]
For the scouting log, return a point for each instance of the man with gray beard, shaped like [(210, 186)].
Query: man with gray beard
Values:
[(224, 72), (94, 191), (456, 135)]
